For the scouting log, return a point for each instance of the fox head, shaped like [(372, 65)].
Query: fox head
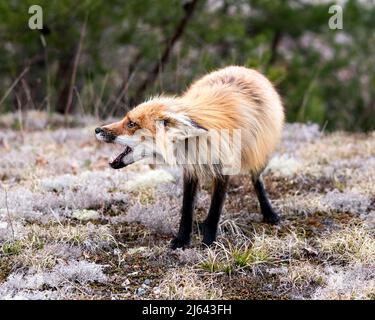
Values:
[(147, 130)]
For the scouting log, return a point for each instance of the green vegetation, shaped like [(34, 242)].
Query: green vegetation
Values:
[(11, 247), (100, 56)]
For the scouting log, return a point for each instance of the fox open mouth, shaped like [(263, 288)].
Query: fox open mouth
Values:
[(118, 162)]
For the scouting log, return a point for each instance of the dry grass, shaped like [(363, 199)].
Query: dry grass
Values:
[(255, 254), (186, 284), (353, 244), (354, 282), (71, 228)]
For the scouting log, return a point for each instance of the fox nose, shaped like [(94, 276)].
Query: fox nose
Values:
[(98, 130)]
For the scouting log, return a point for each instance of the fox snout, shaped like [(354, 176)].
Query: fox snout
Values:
[(103, 134)]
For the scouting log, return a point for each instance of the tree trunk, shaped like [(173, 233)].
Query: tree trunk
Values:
[(64, 72)]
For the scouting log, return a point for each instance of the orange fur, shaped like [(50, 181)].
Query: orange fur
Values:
[(231, 98), (239, 98)]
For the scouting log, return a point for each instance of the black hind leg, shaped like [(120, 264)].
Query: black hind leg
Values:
[(209, 226), (269, 215)]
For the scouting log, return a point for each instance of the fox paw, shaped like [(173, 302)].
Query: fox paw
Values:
[(271, 218), (208, 240), (179, 243)]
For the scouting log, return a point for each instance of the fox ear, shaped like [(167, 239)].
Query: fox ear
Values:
[(181, 126)]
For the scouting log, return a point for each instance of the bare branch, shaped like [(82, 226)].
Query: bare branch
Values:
[(169, 45), (75, 66), (15, 82)]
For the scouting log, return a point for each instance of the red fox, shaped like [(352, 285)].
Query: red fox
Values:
[(238, 115)]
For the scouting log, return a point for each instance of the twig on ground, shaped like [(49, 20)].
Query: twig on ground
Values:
[(8, 214)]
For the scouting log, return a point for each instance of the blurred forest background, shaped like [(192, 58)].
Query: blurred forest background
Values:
[(101, 57)]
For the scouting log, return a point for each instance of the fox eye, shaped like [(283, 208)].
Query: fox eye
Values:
[(131, 124)]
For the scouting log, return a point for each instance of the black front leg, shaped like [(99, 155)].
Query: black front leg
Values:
[(269, 215), (209, 226), (186, 223)]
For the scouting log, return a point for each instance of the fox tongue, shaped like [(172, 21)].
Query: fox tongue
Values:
[(117, 163)]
